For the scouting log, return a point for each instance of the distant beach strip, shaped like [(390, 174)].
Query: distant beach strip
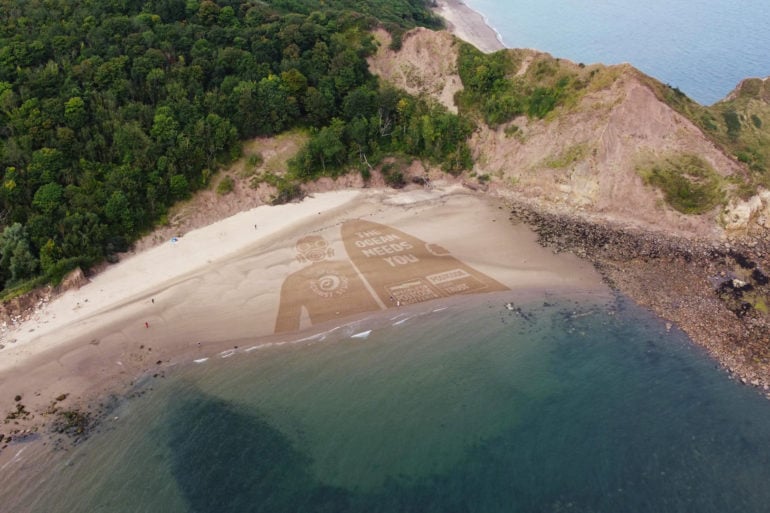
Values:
[(469, 25)]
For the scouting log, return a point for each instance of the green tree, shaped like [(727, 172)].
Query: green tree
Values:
[(17, 262), (48, 198), (50, 254), (164, 127), (318, 106), (118, 212), (75, 112), (180, 187), (276, 109)]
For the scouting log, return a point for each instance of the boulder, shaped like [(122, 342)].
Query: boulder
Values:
[(740, 214)]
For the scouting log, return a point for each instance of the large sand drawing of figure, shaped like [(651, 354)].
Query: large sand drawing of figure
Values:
[(326, 289), (387, 268), (403, 269)]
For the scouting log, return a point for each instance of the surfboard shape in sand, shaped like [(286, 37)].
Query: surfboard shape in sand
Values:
[(403, 269)]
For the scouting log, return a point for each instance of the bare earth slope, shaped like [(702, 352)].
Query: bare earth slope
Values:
[(582, 158), (609, 131), (425, 64)]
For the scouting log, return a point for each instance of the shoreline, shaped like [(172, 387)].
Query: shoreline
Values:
[(221, 298), (690, 283), (469, 25), (657, 271)]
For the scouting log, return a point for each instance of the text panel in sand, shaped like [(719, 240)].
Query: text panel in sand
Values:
[(384, 268)]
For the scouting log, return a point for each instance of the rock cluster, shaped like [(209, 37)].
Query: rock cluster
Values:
[(717, 293)]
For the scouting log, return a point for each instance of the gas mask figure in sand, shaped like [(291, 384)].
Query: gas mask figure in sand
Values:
[(387, 268), (313, 248), (325, 289)]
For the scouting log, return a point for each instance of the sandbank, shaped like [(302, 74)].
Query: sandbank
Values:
[(269, 275), (469, 25)]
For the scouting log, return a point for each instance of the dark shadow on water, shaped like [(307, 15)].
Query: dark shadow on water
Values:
[(227, 461), (637, 424)]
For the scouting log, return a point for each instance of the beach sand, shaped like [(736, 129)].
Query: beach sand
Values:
[(264, 275), (468, 25)]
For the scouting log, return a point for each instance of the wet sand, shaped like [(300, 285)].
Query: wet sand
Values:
[(220, 288)]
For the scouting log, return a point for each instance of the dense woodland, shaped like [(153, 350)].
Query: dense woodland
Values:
[(112, 110)]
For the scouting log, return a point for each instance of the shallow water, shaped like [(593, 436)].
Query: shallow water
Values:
[(703, 47), (565, 405)]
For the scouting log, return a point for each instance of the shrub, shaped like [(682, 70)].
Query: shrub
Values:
[(733, 122), (180, 187), (511, 130), (393, 176), (255, 160), (568, 157), (689, 184), (225, 185), (286, 191)]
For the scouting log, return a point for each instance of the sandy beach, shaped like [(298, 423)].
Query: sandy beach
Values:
[(265, 275), (468, 25)]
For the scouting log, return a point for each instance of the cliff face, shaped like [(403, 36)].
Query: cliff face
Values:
[(586, 158), (583, 157), (426, 64), (646, 169)]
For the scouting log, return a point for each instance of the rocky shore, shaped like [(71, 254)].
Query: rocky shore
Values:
[(715, 292)]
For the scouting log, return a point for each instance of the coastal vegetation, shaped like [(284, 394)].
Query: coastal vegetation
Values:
[(495, 90), (689, 184), (567, 157), (110, 112), (736, 124)]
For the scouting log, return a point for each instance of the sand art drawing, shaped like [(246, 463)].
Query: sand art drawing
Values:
[(326, 289), (386, 268)]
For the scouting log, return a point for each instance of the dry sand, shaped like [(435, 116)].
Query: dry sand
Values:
[(468, 25), (218, 289)]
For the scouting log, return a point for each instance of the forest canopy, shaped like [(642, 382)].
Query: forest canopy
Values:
[(112, 110)]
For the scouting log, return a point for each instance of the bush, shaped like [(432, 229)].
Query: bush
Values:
[(568, 157), (180, 187), (255, 160), (393, 176), (286, 192), (688, 183), (733, 122), (225, 185)]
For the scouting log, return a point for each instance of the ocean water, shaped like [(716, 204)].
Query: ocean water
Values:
[(703, 47), (562, 404)]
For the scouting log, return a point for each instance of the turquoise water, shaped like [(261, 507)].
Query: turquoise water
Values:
[(565, 405), (703, 47)]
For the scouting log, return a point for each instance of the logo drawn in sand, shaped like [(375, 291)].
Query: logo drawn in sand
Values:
[(387, 268), (329, 284)]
